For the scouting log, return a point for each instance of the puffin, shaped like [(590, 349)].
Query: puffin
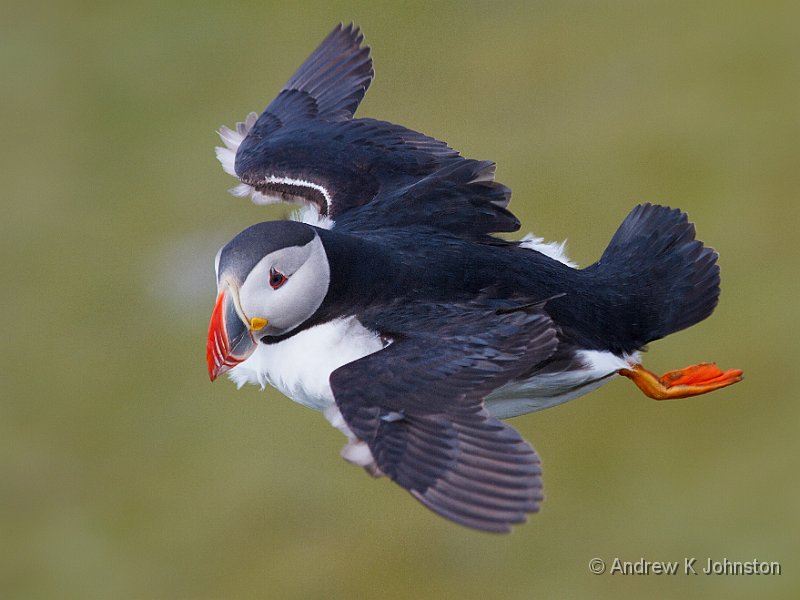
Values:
[(390, 304)]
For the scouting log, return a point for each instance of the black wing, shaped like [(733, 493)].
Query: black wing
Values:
[(418, 404), (305, 147), (329, 85), (460, 198)]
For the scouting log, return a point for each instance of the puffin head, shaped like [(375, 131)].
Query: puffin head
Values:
[(271, 278)]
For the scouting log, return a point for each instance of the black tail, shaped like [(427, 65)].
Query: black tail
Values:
[(659, 276)]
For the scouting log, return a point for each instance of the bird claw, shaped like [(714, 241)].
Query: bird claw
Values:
[(682, 383)]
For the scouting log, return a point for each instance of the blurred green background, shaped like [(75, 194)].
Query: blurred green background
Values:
[(125, 474)]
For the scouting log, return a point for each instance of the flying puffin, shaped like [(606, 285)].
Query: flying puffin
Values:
[(391, 307)]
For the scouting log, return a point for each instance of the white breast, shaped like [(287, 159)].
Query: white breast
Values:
[(301, 366)]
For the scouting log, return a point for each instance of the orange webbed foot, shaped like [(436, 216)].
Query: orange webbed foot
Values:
[(682, 383)]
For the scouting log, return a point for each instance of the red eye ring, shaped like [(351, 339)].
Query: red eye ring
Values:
[(276, 278)]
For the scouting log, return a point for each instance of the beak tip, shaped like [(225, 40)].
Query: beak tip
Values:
[(216, 363), (225, 350)]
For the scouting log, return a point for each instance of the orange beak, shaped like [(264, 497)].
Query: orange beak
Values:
[(230, 341)]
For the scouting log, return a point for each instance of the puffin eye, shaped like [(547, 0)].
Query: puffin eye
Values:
[(276, 278)]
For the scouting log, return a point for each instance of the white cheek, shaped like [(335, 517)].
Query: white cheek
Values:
[(296, 300), (300, 297)]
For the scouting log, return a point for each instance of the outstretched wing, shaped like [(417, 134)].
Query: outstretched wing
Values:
[(418, 404), (305, 147), (329, 85)]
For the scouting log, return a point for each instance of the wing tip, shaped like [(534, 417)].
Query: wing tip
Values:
[(475, 517), (337, 73)]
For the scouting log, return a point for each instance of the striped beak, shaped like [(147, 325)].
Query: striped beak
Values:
[(230, 340)]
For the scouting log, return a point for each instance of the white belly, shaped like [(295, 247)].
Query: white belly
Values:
[(301, 366)]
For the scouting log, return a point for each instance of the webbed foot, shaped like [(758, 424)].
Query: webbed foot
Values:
[(682, 383)]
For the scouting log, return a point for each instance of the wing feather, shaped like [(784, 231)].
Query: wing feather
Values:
[(445, 448), (362, 173), (329, 85)]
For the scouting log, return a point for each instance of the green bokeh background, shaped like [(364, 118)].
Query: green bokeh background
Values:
[(125, 474)]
